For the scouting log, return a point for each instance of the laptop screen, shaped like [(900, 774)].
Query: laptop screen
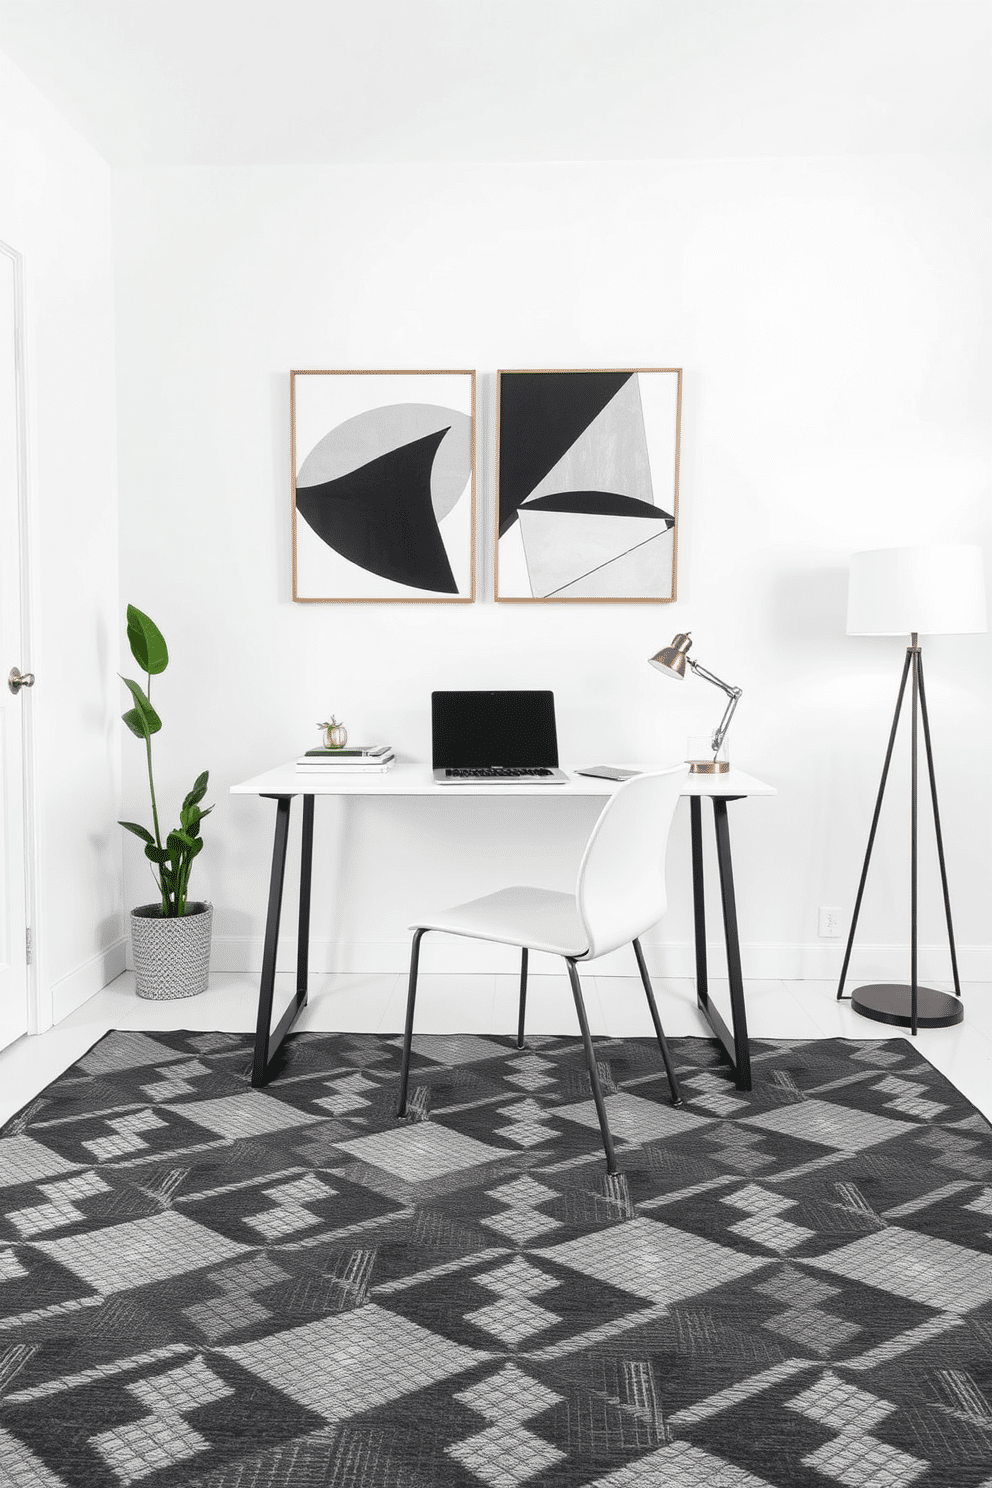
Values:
[(493, 728)]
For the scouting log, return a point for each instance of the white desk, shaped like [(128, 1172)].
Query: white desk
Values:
[(286, 781)]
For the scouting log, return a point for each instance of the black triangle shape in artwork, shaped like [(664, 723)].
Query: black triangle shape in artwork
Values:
[(381, 517), (541, 415)]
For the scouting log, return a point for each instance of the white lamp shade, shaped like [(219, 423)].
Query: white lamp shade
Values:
[(936, 590)]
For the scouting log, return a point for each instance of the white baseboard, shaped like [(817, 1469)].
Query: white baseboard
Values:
[(773, 960), (70, 992)]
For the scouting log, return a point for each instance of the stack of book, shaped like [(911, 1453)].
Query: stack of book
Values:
[(353, 759)]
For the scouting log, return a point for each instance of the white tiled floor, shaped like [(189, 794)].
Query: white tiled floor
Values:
[(488, 1004)]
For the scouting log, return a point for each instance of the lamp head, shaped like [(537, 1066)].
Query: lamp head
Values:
[(671, 660), (934, 590)]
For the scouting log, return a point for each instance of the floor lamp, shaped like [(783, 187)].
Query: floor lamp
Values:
[(936, 590)]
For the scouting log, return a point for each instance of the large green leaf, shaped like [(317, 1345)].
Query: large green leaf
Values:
[(191, 817), (149, 718), (156, 854), (138, 830), (199, 789), (136, 723), (147, 642)]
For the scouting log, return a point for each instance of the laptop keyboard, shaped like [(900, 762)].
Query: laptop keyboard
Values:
[(494, 772)]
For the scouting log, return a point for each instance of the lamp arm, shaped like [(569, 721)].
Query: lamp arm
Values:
[(733, 693), (721, 731)]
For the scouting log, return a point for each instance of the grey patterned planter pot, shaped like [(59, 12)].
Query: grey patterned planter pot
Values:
[(171, 957)]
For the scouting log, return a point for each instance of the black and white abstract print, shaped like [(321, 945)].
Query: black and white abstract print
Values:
[(383, 485), (588, 485)]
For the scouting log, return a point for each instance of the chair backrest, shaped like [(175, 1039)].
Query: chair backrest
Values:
[(621, 887)]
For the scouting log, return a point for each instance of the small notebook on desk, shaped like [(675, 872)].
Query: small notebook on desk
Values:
[(608, 772)]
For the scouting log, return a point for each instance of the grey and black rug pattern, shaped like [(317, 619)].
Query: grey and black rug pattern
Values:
[(211, 1286)]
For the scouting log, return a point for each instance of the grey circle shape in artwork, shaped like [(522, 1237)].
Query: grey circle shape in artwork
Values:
[(379, 430)]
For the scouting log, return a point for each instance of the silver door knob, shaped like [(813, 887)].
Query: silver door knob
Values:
[(16, 680)]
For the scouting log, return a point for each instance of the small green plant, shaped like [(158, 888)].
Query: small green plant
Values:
[(335, 733), (172, 861)]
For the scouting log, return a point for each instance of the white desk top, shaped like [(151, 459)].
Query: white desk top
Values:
[(417, 780)]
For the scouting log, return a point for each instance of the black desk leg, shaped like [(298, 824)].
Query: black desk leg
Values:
[(268, 1039), (735, 1045), (303, 939), (742, 1055), (699, 901)]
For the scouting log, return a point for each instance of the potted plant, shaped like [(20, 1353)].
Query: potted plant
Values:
[(335, 734), (171, 939)]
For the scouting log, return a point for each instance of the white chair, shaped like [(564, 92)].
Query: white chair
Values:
[(620, 893)]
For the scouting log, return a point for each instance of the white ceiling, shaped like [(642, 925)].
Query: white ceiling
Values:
[(275, 81)]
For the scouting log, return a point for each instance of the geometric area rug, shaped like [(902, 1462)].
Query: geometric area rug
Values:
[(211, 1286)]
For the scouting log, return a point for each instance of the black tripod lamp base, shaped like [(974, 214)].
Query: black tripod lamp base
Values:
[(890, 1002)]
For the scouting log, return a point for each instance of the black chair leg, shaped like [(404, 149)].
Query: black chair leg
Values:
[(523, 996), (653, 1006), (411, 998), (597, 1093)]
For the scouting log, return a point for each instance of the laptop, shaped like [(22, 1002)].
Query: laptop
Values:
[(495, 736)]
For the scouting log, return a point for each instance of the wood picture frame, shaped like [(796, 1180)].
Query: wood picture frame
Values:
[(383, 486), (587, 486)]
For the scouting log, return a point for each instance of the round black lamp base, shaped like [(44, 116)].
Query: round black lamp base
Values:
[(889, 1002)]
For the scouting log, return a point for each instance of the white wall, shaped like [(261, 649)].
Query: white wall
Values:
[(833, 320), (55, 209)]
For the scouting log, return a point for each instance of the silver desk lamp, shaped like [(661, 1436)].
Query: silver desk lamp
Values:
[(672, 661)]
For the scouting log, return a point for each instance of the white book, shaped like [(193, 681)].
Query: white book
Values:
[(354, 767)]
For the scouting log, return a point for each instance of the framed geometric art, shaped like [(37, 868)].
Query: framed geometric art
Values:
[(587, 485), (383, 486)]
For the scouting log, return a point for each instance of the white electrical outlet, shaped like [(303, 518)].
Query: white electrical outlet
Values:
[(830, 922)]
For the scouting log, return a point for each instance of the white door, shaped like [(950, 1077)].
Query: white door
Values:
[(13, 949)]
